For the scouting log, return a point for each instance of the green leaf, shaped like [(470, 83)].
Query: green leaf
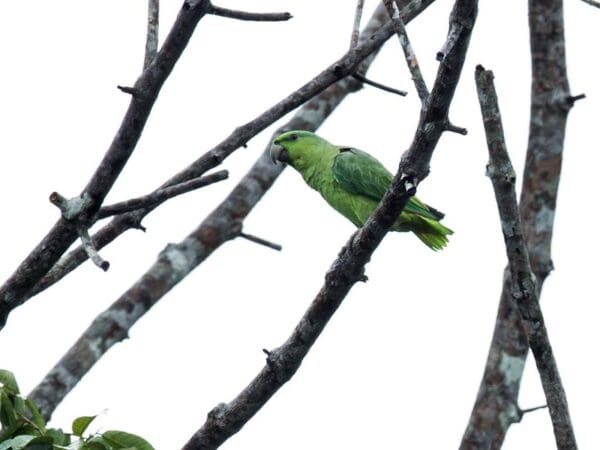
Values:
[(6, 444), (8, 381), (36, 416), (40, 443), (19, 404), (19, 442), (120, 440), (7, 411), (80, 424), (95, 444), (58, 436)]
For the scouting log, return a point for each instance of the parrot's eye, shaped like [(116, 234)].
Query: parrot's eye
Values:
[(293, 137)]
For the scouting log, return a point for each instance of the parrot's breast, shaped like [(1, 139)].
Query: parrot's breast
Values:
[(356, 208)]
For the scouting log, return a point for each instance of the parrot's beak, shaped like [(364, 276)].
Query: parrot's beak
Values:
[(279, 153)]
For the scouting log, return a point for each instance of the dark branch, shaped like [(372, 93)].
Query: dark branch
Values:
[(254, 17), (227, 419), (129, 90), (155, 198), (524, 291), (455, 129), (222, 225), (522, 412), (260, 241), (383, 87), (592, 2)]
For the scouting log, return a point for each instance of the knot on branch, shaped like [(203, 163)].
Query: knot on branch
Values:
[(71, 208), (280, 368)]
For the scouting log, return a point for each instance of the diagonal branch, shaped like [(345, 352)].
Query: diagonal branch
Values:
[(347, 65), (158, 197), (592, 2), (377, 85), (222, 225), (249, 16), (227, 419), (64, 232), (524, 292), (409, 54), (495, 408)]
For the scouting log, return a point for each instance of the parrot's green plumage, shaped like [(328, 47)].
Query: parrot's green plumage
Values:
[(353, 182)]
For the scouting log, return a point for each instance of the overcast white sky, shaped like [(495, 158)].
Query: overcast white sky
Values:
[(400, 363)]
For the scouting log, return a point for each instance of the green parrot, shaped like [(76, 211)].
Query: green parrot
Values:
[(353, 183)]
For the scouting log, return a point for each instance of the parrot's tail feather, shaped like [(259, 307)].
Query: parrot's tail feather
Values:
[(432, 233)]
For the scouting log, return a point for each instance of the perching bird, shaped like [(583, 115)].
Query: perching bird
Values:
[(353, 183)]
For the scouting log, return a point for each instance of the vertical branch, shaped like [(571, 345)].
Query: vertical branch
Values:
[(496, 407), (356, 25), (523, 287), (151, 33)]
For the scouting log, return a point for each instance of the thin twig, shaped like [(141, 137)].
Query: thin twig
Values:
[(227, 419), (222, 225), (522, 412), (155, 198), (151, 33), (409, 54), (250, 16), (592, 2), (91, 251), (356, 24), (383, 87), (456, 129), (524, 291), (260, 241)]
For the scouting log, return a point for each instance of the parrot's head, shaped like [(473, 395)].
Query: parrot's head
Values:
[(295, 147)]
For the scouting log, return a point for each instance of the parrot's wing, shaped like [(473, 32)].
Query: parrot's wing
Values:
[(360, 173)]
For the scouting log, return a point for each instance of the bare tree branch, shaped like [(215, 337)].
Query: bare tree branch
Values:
[(243, 15), (227, 419), (64, 232), (260, 241), (222, 225), (151, 33), (159, 196), (377, 85), (409, 54), (524, 291), (91, 251), (356, 24), (345, 66), (592, 2), (496, 407)]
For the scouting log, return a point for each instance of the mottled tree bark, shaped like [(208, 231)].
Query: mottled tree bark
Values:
[(523, 282), (496, 407)]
